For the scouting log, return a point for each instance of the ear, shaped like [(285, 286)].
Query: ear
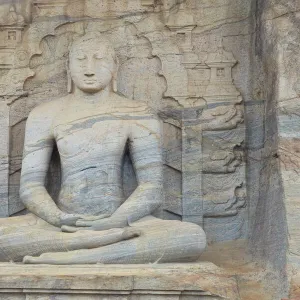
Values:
[(115, 76), (70, 81)]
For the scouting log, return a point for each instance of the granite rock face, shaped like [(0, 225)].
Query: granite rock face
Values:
[(274, 233), (184, 74), (222, 78), (177, 281)]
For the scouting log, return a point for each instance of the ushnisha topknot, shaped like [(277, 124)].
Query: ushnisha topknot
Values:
[(94, 37)]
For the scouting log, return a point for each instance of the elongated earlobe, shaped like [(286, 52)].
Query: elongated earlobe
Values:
[(115, 85), (115, 77), (70, 81)]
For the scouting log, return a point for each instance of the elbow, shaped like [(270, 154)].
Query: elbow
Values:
[(156, 204), (158, 197), (154, 194), (153, 186), (27, 192)]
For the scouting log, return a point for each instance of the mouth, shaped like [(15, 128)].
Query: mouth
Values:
[(89, 81)]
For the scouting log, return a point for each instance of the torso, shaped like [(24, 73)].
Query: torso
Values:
[(91, 141)]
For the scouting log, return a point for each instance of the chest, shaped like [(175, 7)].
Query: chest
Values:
[(101, 135)]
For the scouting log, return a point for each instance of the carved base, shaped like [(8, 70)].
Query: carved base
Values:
[(202, 281)]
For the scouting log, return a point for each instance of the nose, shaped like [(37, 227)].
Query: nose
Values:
[(89, 72)]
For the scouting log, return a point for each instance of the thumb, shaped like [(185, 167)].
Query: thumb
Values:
[(94, 218)]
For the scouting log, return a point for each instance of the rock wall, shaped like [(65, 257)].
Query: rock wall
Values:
[(275, 221), (189, 61), (222, 75)]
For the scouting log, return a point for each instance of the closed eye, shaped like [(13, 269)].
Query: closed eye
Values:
[(81, 57), (98, 56)]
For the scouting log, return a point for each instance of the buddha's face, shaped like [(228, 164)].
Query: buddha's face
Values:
[(92, 65)]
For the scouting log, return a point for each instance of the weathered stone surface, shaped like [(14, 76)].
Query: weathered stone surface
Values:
[(223, 78), (181, 70), (275, 222), (177, 281)]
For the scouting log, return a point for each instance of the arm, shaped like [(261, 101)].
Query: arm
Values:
[(38, 148), (146, 154)]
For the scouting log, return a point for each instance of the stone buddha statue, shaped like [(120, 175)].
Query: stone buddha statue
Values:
[(92, 221)]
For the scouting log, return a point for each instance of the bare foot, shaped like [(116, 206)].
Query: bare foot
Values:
[(130, 233)]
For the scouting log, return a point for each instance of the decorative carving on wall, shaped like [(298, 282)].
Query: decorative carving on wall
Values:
[(12, 18), (147, 2), (49, 7), (182, 23), (222, 117), (221, 87), (14, 71), (211, 123), (226, 203), (221, 161), (11, 28), (56, 8)]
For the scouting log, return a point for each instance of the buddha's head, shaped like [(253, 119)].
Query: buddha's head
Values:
[(92, 63)]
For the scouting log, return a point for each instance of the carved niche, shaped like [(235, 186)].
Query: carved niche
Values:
[(201, 108)]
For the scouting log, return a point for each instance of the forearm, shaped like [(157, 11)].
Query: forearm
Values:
[(38, 201), (142, 202)]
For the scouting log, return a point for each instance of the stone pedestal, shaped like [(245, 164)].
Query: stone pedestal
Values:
[(202, 281)]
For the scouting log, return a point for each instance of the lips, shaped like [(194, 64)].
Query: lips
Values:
[(90, 81)]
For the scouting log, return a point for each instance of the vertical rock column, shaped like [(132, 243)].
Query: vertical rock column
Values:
[(14, 73), (276, 236), (4, 157)]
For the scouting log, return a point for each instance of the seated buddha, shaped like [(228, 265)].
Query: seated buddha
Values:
[(92, 221)]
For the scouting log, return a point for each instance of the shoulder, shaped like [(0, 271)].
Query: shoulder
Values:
[(47, 110), (41, 118), (134, 107)]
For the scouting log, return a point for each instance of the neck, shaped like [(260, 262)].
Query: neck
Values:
[(98, 97)]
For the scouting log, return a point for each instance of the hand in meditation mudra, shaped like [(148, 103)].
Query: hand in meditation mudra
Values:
[(92, 222)]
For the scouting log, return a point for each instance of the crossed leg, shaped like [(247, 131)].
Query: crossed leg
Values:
[(160, 241), (28, 235)]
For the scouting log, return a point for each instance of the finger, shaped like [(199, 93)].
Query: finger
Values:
[(71, 229), (94, 218), (103, 216), (99, 226), (71, 219), (29, 260), (85, 223), (66, 228), (131, 232)]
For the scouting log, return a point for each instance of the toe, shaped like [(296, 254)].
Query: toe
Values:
[(131, 233), (29, 259)]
